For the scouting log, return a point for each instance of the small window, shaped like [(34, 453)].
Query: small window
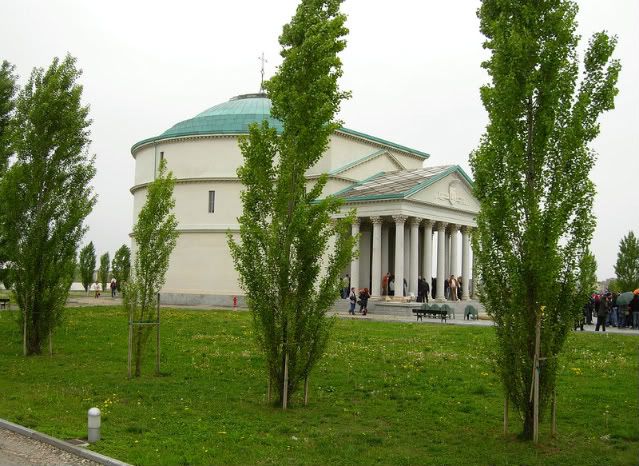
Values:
[(161, 156), (211, 202)]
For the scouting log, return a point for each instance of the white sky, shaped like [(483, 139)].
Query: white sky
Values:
[(412, 65)]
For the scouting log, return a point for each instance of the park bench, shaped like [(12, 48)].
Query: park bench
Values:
[(433, 311), (470, 312), (5, 303)]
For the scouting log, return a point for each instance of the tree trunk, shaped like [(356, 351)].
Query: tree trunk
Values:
[(529, 417), (138, 351)]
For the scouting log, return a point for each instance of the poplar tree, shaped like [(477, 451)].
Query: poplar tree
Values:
[(46, 195), (285, 230), (532, 180), (87, 265), (103, 271), (155, 236), (627, 265), (121, 265), (8, 89)]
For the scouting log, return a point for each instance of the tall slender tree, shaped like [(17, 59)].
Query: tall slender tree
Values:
[(46, 195), (532, 181), (285, 230), (627, 265), (155, 236), (87, 265), (8, 89), (103, 271), (121, 265)]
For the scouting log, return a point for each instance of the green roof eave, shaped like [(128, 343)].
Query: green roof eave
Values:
[(349, 165), (350, 132), (423, 155)]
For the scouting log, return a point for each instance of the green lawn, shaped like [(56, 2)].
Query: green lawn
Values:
[(386, 393)]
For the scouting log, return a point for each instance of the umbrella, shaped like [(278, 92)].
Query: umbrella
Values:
[(624, 298)]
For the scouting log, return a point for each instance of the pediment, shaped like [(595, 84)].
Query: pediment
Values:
[(379, 161), (452, 191)]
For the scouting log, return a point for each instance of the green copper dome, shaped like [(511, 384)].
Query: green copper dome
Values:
[(235, 116), (232, 117)]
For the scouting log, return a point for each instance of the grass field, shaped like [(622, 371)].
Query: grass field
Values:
[(386, 393)]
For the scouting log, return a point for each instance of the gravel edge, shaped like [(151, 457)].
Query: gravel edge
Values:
[(61, 444)]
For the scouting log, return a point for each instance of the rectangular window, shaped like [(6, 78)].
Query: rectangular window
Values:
[(161, 156), (211, 202)]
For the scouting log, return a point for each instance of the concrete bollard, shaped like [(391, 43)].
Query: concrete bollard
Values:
[(94, 425)]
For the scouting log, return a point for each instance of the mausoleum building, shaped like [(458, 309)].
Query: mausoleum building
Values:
[(413, 219)]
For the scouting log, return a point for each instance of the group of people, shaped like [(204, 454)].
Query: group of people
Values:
[(97, 287), (452, 288), (605, 308)]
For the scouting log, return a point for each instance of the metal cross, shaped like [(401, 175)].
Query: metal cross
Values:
[(263, 61)]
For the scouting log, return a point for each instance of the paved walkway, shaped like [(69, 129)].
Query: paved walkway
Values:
[(482, 322), (78, 301), (18, 450)]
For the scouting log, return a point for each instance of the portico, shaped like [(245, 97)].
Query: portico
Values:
[(411, 224)]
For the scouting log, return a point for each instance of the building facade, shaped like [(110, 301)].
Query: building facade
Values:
[(413, 220)]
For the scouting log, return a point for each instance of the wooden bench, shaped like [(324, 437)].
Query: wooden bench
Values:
[(5, 303), (434, 311)]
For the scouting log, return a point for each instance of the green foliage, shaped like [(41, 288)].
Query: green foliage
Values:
[(287, 265), (8, 89), (386, 393), (103, 271), (155, 237), (587, 281), (46, 195), (627, 266), (121, 266), (87, 265), (532, 180)]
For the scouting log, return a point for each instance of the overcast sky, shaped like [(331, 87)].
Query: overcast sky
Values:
[(413, 67)]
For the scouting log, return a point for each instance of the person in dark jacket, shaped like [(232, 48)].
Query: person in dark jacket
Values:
[(602, 312), (634, 311), (363, 301)]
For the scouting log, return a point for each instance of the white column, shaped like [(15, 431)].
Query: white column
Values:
[(465, 263), (427, 271), (385, 248), (399, 253), (355, 262), (441, 252), (406, 254), (376, 266), (414, 257), (454, 250), (447, 253)]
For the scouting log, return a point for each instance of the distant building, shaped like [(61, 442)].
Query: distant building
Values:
[(401, 205)]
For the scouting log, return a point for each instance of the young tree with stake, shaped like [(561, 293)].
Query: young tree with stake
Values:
[(155, 237), (532, 181), (285, 230)]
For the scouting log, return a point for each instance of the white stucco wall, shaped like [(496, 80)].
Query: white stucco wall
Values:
[(201, 263)]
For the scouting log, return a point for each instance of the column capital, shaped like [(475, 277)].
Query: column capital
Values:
[(400, 218), (414, 221), (357, 221), (441, 226), (428, 222), (465, 229), (377, 220), (453, 227)]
